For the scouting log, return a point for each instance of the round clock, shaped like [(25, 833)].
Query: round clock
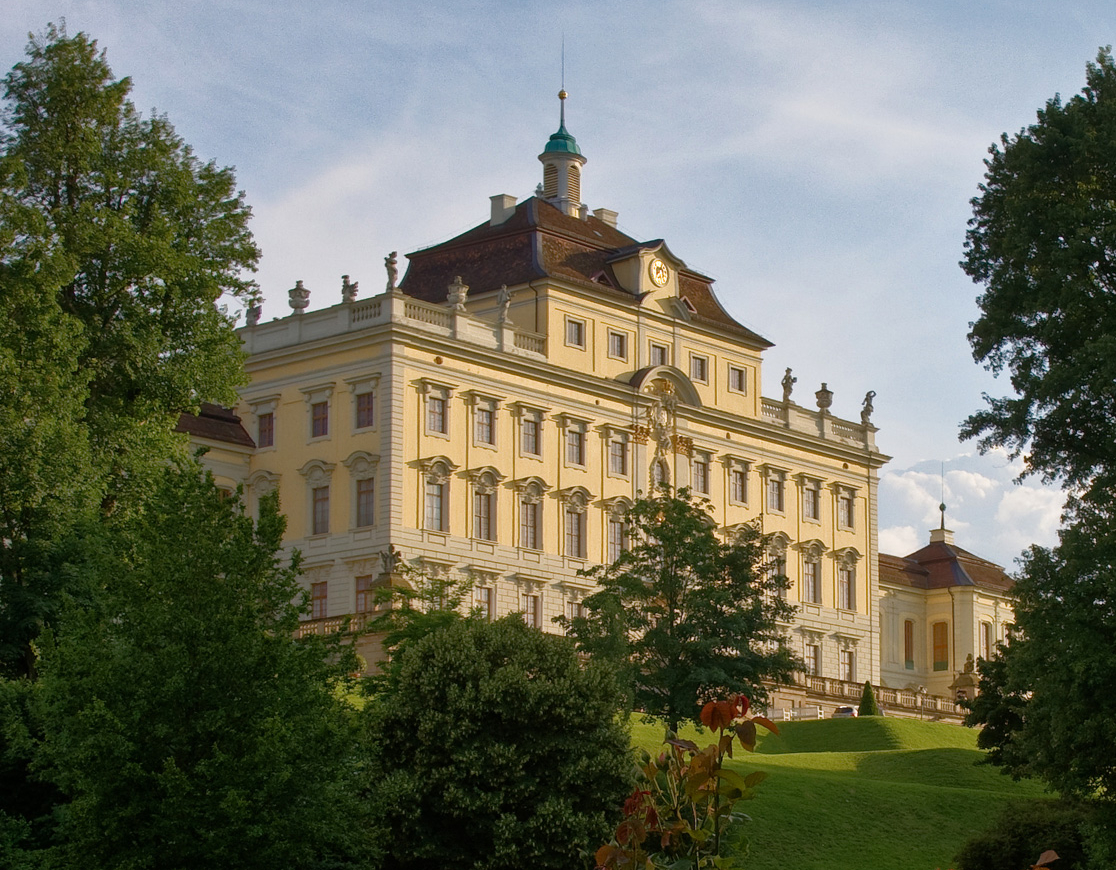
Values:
[(659, 272)]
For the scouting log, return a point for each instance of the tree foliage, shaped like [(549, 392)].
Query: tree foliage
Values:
[(497, 749), (182, 718), (1042, 241), (688, 617), (868, 705), (116, 245)]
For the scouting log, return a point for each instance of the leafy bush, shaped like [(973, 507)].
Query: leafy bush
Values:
[(868, 705), (498, 749), (1026, 830)]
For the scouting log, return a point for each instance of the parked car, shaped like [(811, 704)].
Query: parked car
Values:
[(845, 713)]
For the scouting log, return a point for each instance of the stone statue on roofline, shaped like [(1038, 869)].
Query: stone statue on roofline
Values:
[(457, 293), (788, 385), (392, 266), (348, 291), (503, 303), (866, 411), (298, 297)]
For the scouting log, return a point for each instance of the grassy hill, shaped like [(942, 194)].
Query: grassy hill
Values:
[(861, 794)]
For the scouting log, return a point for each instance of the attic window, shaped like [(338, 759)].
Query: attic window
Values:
[(689, 305)]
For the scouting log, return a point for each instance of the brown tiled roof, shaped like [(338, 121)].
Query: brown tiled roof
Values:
[(940, 566), (540, 241), (215, 424)]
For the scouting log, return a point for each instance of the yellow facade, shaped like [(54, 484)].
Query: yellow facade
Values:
[(500, 430)]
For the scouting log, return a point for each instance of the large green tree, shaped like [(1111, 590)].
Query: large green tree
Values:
[(1042, 241), (117, 245), (687, 616), (498, 749), (184, 721)]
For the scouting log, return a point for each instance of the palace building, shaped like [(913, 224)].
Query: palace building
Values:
[(495, 412)]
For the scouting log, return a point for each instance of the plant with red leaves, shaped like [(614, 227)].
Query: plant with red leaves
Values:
[(683, 813)]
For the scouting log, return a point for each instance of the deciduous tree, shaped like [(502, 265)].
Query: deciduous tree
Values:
[(1042, 241), (181, 716), (687, 616)]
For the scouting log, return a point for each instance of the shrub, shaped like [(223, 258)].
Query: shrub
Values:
[(1026, 830), (498, 749), (868, 705)]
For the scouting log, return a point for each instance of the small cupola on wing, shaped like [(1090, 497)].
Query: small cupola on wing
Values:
[(562, 161)]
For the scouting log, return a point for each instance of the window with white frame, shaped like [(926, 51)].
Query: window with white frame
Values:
[(776, 565), (575, 441), (575, 610), (265, 429), (530, 494), (365, 501), (436, 414), (617, 537), (319, 600), (575, 503), (737, 380), (738, 480), (986, 640), (846, 508), (484, 428), (362, 472), (909, 644), (658, 354), (846, 586), (812, 657), (485, 483), (700, 466), (811, 579), (318, 475), (811, 499), (436, 477), (575, 332), (531, 605), (436, 407), (365, 410), (365, 597), (699, 368), (618, 455), (617, 344), (776, 491), (848, 665), (530, 429), (484, 601), (317, 405)]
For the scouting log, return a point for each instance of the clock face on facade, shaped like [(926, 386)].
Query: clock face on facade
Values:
[(659, 272)]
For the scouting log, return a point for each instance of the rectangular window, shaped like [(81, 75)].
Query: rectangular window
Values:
[(986, 640), (484, 601), (435, 506), (485, 432), (811, 500), (575, 533), (699, 369), (846, 502), (846, 588), (365, 501), (940, 634), (265, 430), (575, 332), (617, 538), (701, 475), (318, 600), (482, 515), (908, 644), (365, 600), (738, 485), (575, 610), (618, 458), (775, 493), (813, 659), (848, 666), (659, 355), (618, 345), (529, 525), (320, 522), (738, 380), (532, 610), (365, 410), (575, 447), (811, 582), (531, 436), (436, 414), (319, 419)]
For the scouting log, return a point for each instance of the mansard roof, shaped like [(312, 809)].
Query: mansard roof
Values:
[(539, 241), (941, 565), (215, 423)]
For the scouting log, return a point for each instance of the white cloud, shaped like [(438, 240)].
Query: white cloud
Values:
[(900, 540)]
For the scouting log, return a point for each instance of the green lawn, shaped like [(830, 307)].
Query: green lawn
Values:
[(861, 794)]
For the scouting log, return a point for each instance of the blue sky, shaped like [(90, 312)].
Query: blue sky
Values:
[(816, 158)]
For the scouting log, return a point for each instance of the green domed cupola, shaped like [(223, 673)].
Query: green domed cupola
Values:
[(562, 161)]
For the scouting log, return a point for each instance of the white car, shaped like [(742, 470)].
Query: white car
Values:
[(845, 713)]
